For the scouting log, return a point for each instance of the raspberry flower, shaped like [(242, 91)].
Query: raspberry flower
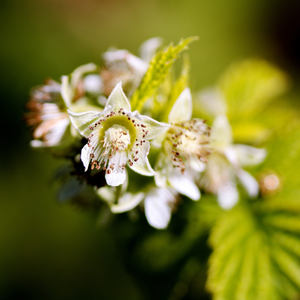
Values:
[(117, 137), (48, 115), (224, 167), (185, 149)]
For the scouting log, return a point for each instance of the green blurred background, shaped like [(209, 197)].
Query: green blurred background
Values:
[(52, 251)]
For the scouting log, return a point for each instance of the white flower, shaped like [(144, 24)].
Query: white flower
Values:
[(48, 115), (158, 203), (48, 107), (83, 79), (117, 137), (184, 149), (121, 65), (224, 167)]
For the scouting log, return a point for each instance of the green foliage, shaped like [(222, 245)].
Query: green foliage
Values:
[(256, 255), (158, 70), (249, 87), (256, 246)]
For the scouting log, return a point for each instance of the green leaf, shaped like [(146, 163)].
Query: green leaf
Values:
[(256, 254), (250, 85), (157, 72)]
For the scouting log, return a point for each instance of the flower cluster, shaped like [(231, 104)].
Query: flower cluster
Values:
[(90, 118)]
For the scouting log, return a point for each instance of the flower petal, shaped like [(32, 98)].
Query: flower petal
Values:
[(148, 48), (182, 108), (248, 182), (79, 72), (67, 92), (127, 202), (118, 57), (228, 195), (184, 185), (106, 193), (117, 99), (85, 156), (93, 84), (249, 156), (142, 165), (157, 208), (212, 102), (154, 127), (221, 134), (55, 135), (196, 164), (117, 176), (83, 120)]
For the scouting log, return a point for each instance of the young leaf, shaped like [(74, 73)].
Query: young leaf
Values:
[(157, 72)]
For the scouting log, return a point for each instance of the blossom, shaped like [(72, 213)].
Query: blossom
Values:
[(224, 167), (185, 149), (48, 107), (158, 202), (83, 80), (121, 65), (48, 115), (117, 137)]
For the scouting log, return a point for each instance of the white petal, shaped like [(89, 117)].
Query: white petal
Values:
[(56, 133), (249, 156), (228, 195), (127, 202), (118, 174), (81, 121), (157, 209), (37, 144), (148, 48), (142, 165), (67, 92), (154, 127), (184, 185), (79, 72), (248, 182), (85, 156), (121, 56), (93, 83), (212, 101), (161, 170), (182, 108), (117, 99), (196, 164), (231, 154), (221, 134), (106, 193)]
